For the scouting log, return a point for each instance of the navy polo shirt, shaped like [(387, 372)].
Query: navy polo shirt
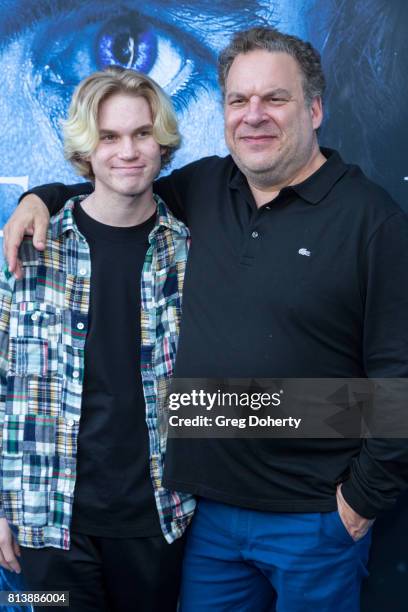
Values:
[(312, 284)]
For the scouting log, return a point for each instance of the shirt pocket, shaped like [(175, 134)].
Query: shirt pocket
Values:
[(35, 335)]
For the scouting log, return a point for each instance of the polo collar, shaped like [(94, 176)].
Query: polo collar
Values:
[(314, 188)]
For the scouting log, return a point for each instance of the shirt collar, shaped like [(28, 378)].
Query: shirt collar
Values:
[(317, 186), (314, 188), (165, 220), (64, 221)]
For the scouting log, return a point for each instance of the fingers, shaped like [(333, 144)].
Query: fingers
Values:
[(30, 218), (16, 548), (3, 563), (8, 549), (10, 557), (40, 233), (356, 525), (11, 244)]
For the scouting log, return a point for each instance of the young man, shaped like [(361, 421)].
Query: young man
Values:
[(282, 523), (88, 340)]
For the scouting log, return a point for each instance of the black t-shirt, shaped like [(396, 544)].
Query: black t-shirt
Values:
[(113, 493), (313, 284)]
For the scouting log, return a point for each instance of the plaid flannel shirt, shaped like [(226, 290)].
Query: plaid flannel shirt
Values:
[(43, 328)]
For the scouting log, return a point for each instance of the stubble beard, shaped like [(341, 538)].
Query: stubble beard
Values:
[(271, 173), (278, 172)]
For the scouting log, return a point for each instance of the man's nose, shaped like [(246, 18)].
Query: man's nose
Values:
[(128, 148), (255, 111)]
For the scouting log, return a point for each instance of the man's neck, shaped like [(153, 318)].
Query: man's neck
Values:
[(118, 210), (264, 194)]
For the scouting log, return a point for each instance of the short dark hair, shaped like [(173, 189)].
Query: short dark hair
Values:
[(270, 39)]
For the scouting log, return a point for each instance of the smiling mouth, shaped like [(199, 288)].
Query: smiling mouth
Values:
[(128, 168), (259, 138)]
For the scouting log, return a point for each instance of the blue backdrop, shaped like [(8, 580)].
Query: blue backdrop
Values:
[(47, 46)]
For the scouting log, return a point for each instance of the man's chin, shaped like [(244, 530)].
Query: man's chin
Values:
[(130, 191), (254, 168)]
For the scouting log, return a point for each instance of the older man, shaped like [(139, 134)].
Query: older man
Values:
[(298, 268)]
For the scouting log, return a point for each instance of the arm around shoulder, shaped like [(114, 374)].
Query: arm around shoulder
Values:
[(32, 217)]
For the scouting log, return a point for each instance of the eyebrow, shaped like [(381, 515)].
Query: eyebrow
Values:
[(141, 128), (278, 92)]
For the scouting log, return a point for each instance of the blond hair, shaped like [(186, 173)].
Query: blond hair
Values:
[(81, 134)]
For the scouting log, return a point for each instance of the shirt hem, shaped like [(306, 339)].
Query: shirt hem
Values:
[(327, 504)]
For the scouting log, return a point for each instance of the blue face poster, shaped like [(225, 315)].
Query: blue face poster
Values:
[(48, 46)]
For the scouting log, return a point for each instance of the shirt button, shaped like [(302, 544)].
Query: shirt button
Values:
[(82, 271), (267, 207), (71, 422), (80, 325), (68, 471), (255, 234), (34, 317), (75, 374)]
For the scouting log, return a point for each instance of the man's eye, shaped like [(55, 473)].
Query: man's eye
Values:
[(277, 101), (107, 138)]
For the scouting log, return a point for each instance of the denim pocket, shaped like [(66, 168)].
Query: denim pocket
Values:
[(332, 527)]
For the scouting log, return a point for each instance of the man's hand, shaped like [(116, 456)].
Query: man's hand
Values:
[(9, 548), (356, 525), (30, 218)]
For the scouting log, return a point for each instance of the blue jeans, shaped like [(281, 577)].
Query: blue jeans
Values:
[(243, 560)]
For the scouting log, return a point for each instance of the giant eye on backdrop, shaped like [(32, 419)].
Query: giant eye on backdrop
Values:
[(65, 51), (48, 46), (133, 45)]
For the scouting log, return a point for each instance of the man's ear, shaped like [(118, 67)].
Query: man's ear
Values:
[(316, 109)]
